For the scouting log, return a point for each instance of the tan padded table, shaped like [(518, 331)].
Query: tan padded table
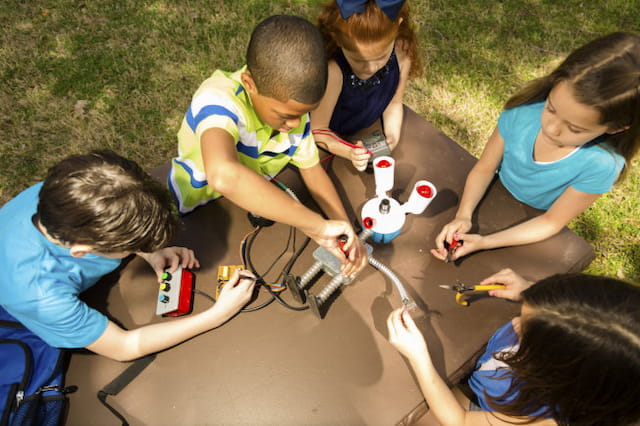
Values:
[(277, 366)]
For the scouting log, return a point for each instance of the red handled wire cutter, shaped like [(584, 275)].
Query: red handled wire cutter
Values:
[(451, 248)]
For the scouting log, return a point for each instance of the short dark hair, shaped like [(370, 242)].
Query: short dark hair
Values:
[(106, 201), (579, 355), (286, 59)]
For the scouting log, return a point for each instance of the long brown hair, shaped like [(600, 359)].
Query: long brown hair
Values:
[(579, 354), (372, 25), (605, 75)]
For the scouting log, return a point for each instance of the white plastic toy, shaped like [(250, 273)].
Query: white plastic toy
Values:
[(382, 218), (385, 216)]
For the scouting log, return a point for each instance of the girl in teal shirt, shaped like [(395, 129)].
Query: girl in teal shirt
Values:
[(561, 142)]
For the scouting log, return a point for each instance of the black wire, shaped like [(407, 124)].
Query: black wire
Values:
[(255, 308), (243, 252), (283, 274), (295, 256), (246, 258), (211, 298), (286, 248), (286, 305)]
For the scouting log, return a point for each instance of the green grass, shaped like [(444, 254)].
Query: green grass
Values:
[(119, 74)]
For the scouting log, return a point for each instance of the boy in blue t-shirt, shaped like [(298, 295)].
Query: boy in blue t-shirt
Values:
[(60, 236)]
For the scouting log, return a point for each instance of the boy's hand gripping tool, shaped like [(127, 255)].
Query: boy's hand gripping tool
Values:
[(461, 288), (342, 240), (451, 248)]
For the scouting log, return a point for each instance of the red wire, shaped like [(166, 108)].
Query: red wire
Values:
[(331, 134)]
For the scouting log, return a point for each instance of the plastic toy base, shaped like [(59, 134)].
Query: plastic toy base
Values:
[(385, 226), (376, 237)]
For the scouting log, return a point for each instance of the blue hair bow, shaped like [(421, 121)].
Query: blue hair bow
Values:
[(391, 8)]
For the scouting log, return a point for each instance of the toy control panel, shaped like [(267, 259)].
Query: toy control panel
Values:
[(175, 295)]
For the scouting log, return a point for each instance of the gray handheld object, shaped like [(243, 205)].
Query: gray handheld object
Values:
[(377, 144)]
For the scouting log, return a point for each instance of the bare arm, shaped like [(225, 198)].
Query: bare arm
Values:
[(405, 336), (393, 114), (124, 345), (475, 186), (481, 176), (247, 189), (321, 116), (324, 193), (569, 205)]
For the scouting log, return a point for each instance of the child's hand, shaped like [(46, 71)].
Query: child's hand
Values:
[(327, 237), (472, 242), (170, 257), (235, 293), (451, 231), (356, 258), (405, 336), (359, 157), (392, 142), (515, 284)]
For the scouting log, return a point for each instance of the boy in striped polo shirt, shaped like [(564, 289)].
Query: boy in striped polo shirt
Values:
[(247, 125)]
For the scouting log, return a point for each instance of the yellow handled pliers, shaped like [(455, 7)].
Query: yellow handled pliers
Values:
[(461, 288)]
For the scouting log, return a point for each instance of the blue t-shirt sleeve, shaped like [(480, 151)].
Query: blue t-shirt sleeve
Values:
[(47, 301), (604, 168), (505, 124), (62, 321), (41, 281)]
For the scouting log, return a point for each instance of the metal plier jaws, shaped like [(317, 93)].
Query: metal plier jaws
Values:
[(451, 248), (461, 288)]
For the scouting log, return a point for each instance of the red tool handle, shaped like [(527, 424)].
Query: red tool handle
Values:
[(342, 240), (331, 134), (454, 244)]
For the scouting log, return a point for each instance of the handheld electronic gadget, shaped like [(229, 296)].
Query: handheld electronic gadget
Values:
[(175, 293), (376, 143)]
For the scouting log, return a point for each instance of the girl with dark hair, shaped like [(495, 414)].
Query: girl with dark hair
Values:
[(372, 51), (561, 142), (571, 358)]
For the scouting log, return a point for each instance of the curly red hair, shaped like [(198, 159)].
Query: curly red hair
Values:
[(372, 25)]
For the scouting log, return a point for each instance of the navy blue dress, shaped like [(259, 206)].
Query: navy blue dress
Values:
[(362, 102)]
